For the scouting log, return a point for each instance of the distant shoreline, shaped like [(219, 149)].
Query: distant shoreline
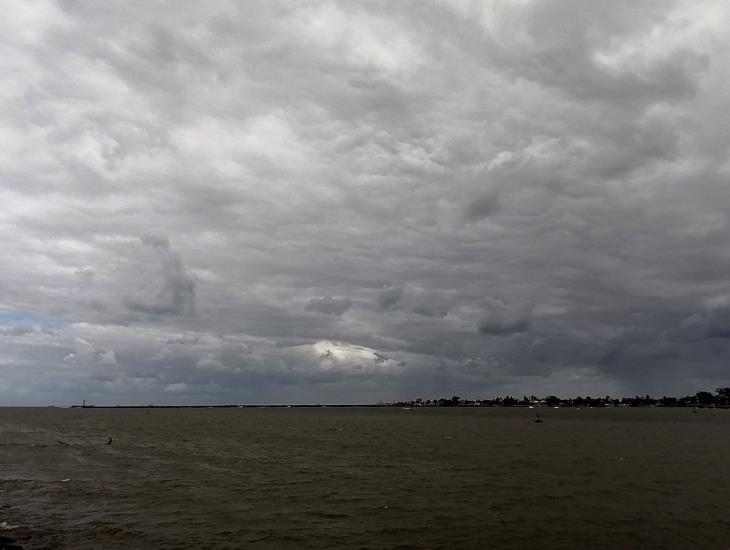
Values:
[(380, 406), (720, 399)]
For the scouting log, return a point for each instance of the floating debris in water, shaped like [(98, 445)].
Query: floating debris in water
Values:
[(5, 526)]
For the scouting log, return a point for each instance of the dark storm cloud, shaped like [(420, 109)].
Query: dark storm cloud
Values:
[(413, 299), (712, 321), (503, 326), (482, 207), (165, 287), (329, 305), (317, 200)]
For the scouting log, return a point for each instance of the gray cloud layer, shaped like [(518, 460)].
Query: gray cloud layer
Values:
[(320, 201)]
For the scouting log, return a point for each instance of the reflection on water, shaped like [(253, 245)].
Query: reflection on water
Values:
[(367, 478)]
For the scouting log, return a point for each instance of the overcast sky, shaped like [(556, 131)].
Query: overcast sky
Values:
[(309, 201)]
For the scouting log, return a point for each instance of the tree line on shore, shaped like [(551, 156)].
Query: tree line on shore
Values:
[(719, 399)]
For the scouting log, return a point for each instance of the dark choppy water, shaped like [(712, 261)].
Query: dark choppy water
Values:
[(365, 478)]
